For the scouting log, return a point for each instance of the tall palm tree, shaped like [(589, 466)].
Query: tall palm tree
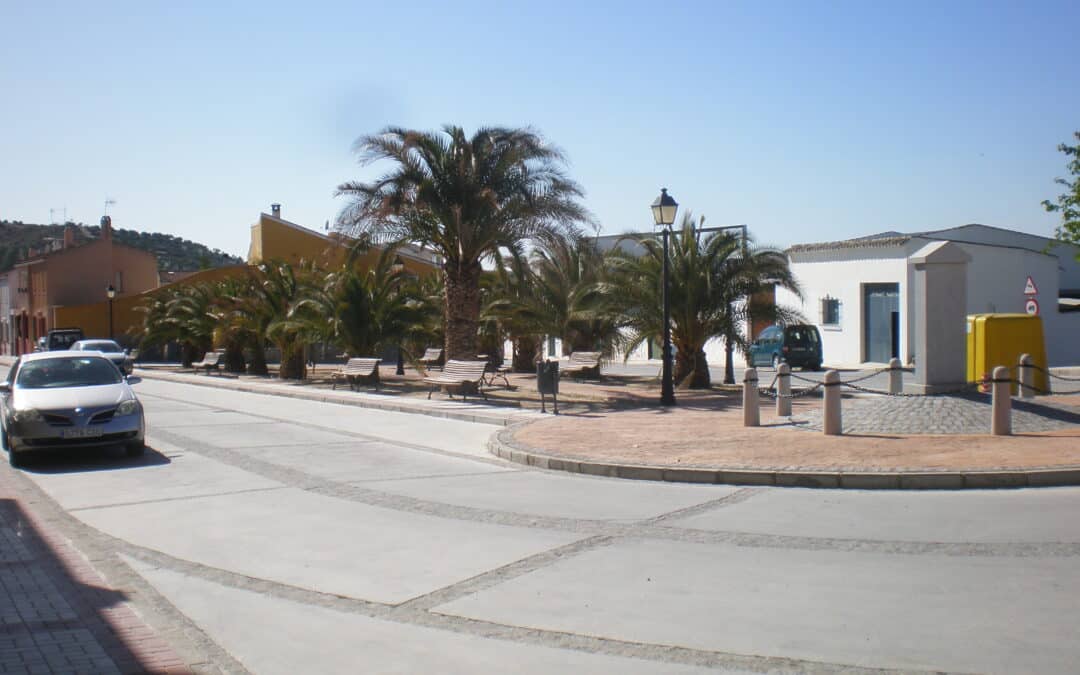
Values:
[(716, 281), (463, 197), (283, 288)]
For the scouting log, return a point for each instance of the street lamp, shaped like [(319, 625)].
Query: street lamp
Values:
[(110, 293), (663, 210)]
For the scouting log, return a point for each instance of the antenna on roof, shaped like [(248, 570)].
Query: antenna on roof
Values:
[(327, 225), (108, 202)]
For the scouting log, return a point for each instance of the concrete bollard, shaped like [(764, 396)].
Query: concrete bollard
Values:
[(1001, 406), (751, 414), (783, 390), (831, 419), (1026, 371), (896, 376)]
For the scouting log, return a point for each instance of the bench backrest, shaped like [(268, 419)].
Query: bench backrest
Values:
[(211, 358), (585, 359), (431, 354), (362, 364), (470, 371)]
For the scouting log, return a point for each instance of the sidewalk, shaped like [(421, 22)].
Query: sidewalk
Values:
[(57, 614)]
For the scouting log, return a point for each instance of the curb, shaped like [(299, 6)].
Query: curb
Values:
[(502, 444), (514, 417)]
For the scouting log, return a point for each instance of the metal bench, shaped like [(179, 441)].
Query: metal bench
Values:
[(210, 361), (356, 370), (464, 376), (582, 365), (433, 356)]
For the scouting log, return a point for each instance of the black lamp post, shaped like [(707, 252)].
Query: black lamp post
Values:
[(663, 210), (110, 293)]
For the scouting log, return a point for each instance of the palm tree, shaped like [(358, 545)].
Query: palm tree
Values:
[(464, 198), (716, 282), (509, 306), (283, 290)]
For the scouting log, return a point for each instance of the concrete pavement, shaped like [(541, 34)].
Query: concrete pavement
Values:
[(285, 535)]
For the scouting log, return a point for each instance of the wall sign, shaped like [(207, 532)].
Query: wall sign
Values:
[(1032, 306), (1030, 288)]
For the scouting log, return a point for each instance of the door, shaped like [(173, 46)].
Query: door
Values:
[(881, 322)]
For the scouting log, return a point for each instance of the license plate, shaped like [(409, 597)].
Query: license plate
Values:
[(85, 432)]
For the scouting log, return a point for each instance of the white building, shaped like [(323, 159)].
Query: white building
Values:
[(859, 291)]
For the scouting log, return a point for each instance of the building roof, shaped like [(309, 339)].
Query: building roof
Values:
[(973, 233), (79, 247)]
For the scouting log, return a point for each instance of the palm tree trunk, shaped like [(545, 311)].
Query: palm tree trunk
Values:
[(700, 378), (729, 361), (462, 310), (257, 366), (234, 357), (187, 354), (526, 350), (293, 366)]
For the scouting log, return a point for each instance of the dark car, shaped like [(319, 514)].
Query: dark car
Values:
[(60, 339), (798, 345)]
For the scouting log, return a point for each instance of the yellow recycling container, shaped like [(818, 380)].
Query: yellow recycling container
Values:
[(999, 340)]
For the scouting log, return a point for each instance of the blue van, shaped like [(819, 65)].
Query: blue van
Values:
[(798, 345)]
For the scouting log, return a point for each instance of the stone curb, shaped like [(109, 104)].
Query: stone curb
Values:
[(513, 417), (502, 444)]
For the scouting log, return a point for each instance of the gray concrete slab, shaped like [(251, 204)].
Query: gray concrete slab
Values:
[(369, 460), (322, 543), (1029, 515), (321, 640), (908, 612), (450, 435), (183, 474), (203, 417), (268, 433), (534, 492)]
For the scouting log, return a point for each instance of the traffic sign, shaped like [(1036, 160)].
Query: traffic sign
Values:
[(1032, 306), (1030, 288)]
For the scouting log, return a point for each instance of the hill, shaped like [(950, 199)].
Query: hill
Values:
[(173, 253)]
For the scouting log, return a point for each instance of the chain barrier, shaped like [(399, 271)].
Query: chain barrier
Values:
[(770, 393), (970, 387)]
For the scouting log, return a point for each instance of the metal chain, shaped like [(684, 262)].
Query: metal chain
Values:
[(959, 390), (769, 393)]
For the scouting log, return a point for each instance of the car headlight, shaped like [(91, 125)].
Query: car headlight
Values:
[(127, 408), (27, 415)]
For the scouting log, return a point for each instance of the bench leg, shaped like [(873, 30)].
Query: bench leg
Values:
[(429, 393)]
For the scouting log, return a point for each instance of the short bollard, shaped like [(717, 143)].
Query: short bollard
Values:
[(1001, 406), (896, 376), (783, 390), (832, 422), (751, 414), (1027, 376)]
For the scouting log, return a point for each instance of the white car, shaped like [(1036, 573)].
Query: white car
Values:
[(68, 399), (110, 349)]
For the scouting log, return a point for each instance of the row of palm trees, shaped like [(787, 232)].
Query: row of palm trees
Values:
[(500, 197)]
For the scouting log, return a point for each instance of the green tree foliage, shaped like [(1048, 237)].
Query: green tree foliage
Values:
[(1068, 202), (465, 198), (714, 292)]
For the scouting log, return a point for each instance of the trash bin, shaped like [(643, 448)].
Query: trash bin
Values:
[(547, 383)]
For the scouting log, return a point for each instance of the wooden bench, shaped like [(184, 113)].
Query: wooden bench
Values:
[(464, 376), (432, 357), (210, 361), (582, 365), (355, 370)]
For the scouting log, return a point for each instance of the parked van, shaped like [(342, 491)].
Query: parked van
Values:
[(798, 345)]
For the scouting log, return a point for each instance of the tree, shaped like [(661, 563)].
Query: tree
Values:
[(283, 289), (1068, 202), (715, 279), (465, 198)]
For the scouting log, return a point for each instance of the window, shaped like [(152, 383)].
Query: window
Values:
[(830, 311)]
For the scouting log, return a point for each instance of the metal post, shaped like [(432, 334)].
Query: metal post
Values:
[(896, 376), (751, 410), (667, 386), (1001, 403), (400, 362), (110, 320), (832, 420), (783, 390), (1027, 376)]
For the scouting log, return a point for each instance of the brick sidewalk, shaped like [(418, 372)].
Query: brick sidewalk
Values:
[(57, 614)]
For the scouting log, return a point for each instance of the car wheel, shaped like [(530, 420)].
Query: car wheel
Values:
[(775, 361), (814, 366), (135, 448)]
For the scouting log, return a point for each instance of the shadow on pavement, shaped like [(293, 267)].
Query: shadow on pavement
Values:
[(78, 460)]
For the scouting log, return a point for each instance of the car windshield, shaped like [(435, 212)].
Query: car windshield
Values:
[(99, 346), (67, 372)]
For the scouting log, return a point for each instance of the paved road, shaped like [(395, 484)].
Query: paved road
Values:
[(287, 536)]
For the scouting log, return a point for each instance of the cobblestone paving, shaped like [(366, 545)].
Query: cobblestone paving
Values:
[(56, 613), (964, 414)]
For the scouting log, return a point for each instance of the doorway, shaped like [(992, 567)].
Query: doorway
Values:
[(881, 322)]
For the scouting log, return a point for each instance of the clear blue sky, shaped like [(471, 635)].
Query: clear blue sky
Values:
[(807, 122)]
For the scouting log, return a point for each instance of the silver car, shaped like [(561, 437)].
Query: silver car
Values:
[(68, 399), (110, 350)]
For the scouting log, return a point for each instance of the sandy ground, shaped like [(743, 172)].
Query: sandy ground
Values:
[(713, 436)]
